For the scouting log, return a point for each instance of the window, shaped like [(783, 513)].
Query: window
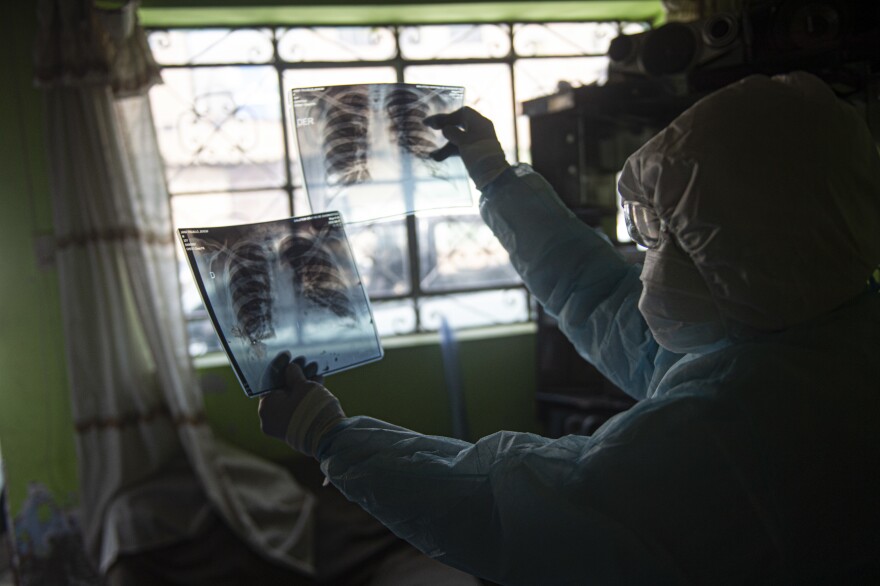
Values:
[(221, 118)]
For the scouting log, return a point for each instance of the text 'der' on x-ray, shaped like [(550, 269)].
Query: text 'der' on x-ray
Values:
[(284, 285), (365, 151)]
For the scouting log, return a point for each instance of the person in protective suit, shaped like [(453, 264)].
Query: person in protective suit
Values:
[(751, 339)]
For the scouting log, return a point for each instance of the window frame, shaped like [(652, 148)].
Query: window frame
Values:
[(295, 191)]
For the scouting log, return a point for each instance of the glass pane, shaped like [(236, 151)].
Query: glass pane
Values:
[(394, 318), (303, 78), (542, 77), (219, 128), (227, 209), (569, 38), (189, 291), (470, 310), (307, 78), (454, 41), (356, 43), (380, 250), (190, 47), (301, 205), (486, 89), (634, 28), (460, 251), (202, 337)]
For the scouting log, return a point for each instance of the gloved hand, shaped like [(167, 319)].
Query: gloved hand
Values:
[(472, 137), (302, 411)]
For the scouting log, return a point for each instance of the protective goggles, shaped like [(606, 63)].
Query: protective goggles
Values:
[(643, 224)]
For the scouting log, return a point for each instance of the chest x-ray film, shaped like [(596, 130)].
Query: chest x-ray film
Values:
[(284, 285), (365, 151)]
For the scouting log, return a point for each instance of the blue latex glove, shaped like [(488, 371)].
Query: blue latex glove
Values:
[(302, 410), (472, 137)]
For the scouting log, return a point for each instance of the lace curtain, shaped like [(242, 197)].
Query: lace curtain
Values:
[(151, 471)]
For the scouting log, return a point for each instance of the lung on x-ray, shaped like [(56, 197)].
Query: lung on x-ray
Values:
[(365, 152), (283, 285)]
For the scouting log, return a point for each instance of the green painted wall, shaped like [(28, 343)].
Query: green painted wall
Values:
[(406, 388), (36, 434), (36, 431)]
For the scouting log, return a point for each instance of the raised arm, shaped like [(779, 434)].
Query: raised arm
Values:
[(578, 277), (573, 271)]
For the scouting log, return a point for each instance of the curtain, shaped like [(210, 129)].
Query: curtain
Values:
[(151, 471)]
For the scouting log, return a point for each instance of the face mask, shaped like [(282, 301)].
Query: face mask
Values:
[(677, 304)]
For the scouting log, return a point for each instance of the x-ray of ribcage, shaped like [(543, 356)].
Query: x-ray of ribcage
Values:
[(284, 285), (364, 149)]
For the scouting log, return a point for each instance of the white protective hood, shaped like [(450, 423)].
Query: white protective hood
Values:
[(772, 189)]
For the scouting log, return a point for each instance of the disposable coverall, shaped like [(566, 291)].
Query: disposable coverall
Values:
[(753, 459)]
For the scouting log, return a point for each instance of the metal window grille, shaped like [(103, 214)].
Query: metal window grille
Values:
[(222, 119)]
